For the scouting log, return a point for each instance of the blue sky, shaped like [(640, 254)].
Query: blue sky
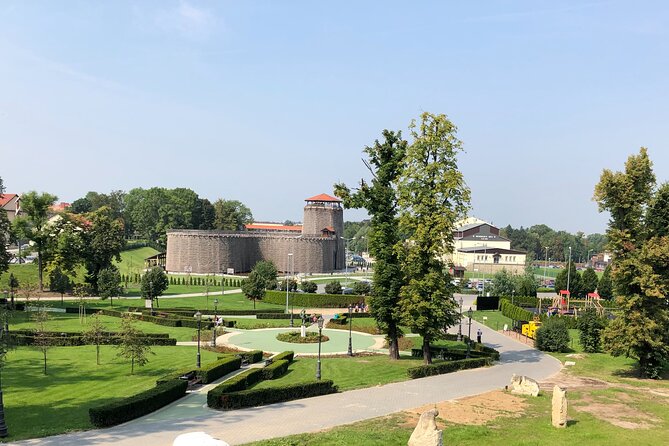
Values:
[(270, 102)]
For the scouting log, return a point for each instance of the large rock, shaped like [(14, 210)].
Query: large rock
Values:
[(559, 412), (426, 432), (197, 439), (522, 385)]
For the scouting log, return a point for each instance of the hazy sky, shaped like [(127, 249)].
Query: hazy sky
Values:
[(271, 102)]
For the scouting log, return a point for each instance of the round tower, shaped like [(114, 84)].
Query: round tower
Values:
[(324, 216)]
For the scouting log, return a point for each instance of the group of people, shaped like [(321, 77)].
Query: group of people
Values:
[(360, 307)]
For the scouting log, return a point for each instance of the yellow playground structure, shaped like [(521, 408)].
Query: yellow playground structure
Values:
[(530, 329)]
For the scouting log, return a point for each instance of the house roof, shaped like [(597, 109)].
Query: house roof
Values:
[(490, 250), (272, 227), (6, 198), (324, 197), (59, 207)]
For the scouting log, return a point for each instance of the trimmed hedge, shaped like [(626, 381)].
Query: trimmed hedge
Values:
[(276, 369), (287, 355), (514, 312), (75, 341), (137, 405), (219, 368), (447, 367), (174, 375), (312, 300), (249, 312), (260, 397), (477, 351), (275, 316), (250, 357), (234, 384)]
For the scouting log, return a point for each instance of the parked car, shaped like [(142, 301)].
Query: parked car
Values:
[(347, 290)]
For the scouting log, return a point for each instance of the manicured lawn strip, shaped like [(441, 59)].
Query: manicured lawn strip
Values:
[(132, 260), (37, 405), (134, 290), (347, 373), (251, 324), (25, 273), (495, 320)]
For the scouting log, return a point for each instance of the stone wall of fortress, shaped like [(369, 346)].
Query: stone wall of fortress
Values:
[(215, 251)]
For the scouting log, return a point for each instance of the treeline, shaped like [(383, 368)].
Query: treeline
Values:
[(149, 213), (536, 238)]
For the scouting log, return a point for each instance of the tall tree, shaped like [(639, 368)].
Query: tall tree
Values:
[(109, 283), (433, 196), (254, 287), (266, 270), (605, 286), (59, 282), (154, 283), (385, 163), (573, 278), (231, 215), (639, 270), (133, 345), (5, 235), (589, 281), (104, 238), (33, 224)]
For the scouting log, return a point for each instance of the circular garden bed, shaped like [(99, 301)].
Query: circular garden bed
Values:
[(296, 338)]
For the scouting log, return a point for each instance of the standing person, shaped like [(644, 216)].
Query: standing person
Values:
[(479, 333)]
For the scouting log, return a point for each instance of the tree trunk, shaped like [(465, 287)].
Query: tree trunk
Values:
[(427, 356), (39, 269), (393, 342), (97, 351), (44, 351), (254, 304), (132, 365)]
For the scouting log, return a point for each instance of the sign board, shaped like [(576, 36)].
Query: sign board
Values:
[(231, 270), (147, 303)]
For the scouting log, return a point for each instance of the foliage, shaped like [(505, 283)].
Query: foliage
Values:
[(59, 282), (572, 276), (526, 284), (238, 382), (133, 345), (211, 372), (254, 287), (231, 215), (5, 236), (514, 312), (362, 288), (605, 285), (333, 287), (589, 281), (126, 409), (308, 286), (259, 397), (33, 224), (154, 283), (276, 369), (503, 284), (96, 334), (42, 339), (104, 239), (109, 282), (292, 285), (432, 197), (591, 327), (640, 257), (552, 336), (266, 270), (385, 163), (447, 367), (287, 355), (313, 300), (297, 338)]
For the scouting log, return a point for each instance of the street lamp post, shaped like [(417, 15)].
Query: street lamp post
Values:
[(568, 268), (545, 265), (290, 257), (5, 340), (589, 259), (460, 326), (485, 260), (198, 315), (318, 362), (469, 336), (151, 297), (350, 327), (213, 339)]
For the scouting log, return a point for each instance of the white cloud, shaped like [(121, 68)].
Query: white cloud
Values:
[(187, 19)]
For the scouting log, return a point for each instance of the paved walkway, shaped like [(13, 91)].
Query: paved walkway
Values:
[(241, 426)]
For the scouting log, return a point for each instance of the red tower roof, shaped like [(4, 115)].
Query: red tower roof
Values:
[(324, 197)]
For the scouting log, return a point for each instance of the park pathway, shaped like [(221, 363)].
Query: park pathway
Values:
[(241, 426)]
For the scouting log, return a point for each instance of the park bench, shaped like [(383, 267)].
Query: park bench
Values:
[(268, 361), (192, 378)]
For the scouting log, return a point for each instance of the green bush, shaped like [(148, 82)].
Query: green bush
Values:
[(312, 300), (441, 368), (308, 286), (252, 312), (552, 336), (514, 312), (450, 354), (274, 316), (333, 287), (137, 405), (361, 288), (259, 397), (276, 369), (591, 326), (234, 384), (215, 370), (288, 355)]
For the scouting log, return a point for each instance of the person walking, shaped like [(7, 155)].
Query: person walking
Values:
[(479, 333)]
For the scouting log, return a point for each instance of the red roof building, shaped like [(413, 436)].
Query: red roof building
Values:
[(324, 198)]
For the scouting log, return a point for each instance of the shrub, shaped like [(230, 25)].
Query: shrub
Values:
[(137, 405), (447, 367), (514, 312), (552, 336), (251, 357), (259, 397), (234, 384), (333, 287), (288, 355), (215, 370), (296, 337), (308, 286), (312, 300), (276, 369), (273, 316), (591, 326), (362, 288)]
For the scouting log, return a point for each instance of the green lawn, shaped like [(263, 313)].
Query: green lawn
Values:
[(494, 320), (132, 260), (38, 405), (347, 373), (25, 273)]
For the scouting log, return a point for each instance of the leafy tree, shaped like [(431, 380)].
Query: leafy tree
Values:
[(231, 215), (5, 234), (385, 163), (109, 283), (605, 286), (589, 281), (503, 284), (65, 245), (308, 286), (43, 339), (33, 224), (362, 288), (333, 287), (526, 284), (575, 287), (266, 270), (59, 282), (552, 336), (254, 287), (591, 326), (96, 334), (639, 274), (81, 206), (104, 239), (132, 344), (154, 283), (292, 285), (658, 212), (13, 284), (432, 198)]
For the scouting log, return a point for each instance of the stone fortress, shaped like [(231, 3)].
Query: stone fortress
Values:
[(316, 247)]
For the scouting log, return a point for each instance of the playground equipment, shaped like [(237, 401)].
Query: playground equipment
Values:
[(592, 301), (530, 329), (560, 303)]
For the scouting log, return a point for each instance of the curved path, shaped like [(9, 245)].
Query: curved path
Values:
[(240, 426)]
